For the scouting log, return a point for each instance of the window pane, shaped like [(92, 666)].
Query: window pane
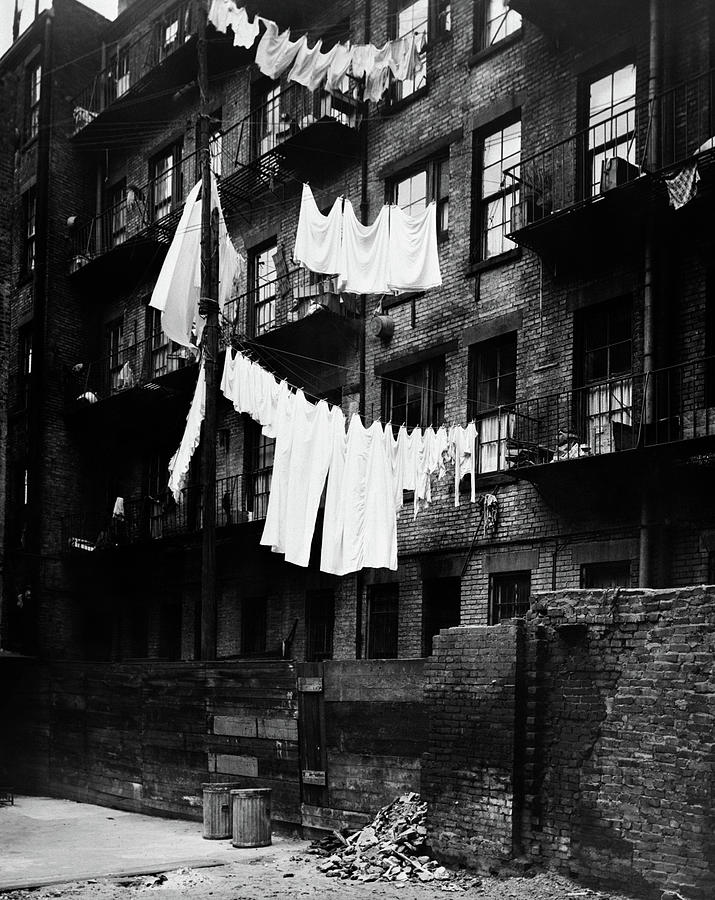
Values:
[(499, 151), (500, 21), (411, 193)]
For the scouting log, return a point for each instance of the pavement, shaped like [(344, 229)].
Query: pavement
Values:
[(46, 841)]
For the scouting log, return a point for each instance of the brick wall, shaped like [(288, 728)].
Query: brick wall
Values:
[(605, 712)]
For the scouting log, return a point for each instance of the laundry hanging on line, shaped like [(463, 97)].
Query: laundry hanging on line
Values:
[(682, 186), (177, 289), (276, 53), (398, 252)]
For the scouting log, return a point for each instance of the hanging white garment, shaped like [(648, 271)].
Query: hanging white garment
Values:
[(219, 12), (274, 534), (181, 460), (311, 66), (309, 459), (363, 59), (266, 402), (280, 398), (275, 52), (464, 441), (365, 253), (414, 261), (425, 465), (318, 238), (442, 451), (244, 32), (394, 456), (409, 446), (405, 57), (336, 76), (174, 292), (369, 537), (378, 77), (331, 549)]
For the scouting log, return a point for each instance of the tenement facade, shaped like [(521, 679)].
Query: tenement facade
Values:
[(575, 323)]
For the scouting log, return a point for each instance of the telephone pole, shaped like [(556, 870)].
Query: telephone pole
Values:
[(208, 308)]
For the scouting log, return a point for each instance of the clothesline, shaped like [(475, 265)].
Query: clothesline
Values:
[(277, 53)]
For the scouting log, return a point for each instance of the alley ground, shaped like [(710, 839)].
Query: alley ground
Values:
[(59, 849)]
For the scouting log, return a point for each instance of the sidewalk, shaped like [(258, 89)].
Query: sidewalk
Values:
[(46, 841)]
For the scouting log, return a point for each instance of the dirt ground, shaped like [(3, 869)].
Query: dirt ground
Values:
[(291, 872)]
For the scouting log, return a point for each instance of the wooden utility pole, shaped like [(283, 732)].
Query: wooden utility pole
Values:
[(208, 308)]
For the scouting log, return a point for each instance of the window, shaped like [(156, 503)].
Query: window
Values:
[(319, 621), (496, 151), (604, 398), (508, 596), (165, 356), (30, 233), (606, 574), (415, 395), (442, 11), (494, 21), (114, 351), (170, 628), (262, 274), (119, 68), (492, 387), (611, 122), (253, 626), (25, 386), (382, 620), (411, 18), (441, 608), (270, 129), (260, 455), (115, 219), (174, 29), (167, 187), (33, 76), (430, 182), (216, 143)]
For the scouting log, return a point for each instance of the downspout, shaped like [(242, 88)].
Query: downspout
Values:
[(648, 575), (364, 206)]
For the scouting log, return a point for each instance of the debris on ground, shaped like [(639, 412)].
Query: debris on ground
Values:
[(391, 848)]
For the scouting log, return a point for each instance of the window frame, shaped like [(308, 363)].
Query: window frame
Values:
[(258, 467), (257, 300), (160, 210), (396, 95), (388, 594), (481, 26), (33, 97), (26, 339), (480, 203), (116, 209), (481, 414), (503, 579), (431, 409), (589, 572), (431, 166), (29, 226)]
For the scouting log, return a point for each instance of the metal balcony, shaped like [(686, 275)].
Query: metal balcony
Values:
[(146, 217), (148, 519), (673, 407), (134, 366), (294, 134), (298, 311), (605, 168)]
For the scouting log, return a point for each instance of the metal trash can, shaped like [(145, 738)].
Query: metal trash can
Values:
[(217, 809), (251, 817)]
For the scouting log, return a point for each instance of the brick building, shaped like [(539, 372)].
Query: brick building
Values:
[(574, 324)]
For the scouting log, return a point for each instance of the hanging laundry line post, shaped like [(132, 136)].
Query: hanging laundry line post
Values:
[(208, 308)]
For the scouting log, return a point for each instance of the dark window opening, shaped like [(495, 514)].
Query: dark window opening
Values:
[(604, 355), (494, 151), (508, 596), (253, 625), (415, 396), (492, 388), (414, 191), (262, 286), (319, 623), (606, 574), (25, 384), (138, 632), (115, 217), (30, 229), (170, 629), (113, 347), (441, 608), (261, 450), (382, 621)]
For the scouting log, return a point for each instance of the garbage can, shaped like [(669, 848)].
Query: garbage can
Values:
[(217, 809), (251, 817)]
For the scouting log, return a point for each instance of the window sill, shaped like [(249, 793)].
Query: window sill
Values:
[(494, 261), (397, 299), (392, 107), (487, 52)]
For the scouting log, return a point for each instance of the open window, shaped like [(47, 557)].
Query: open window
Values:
[(495, 149)]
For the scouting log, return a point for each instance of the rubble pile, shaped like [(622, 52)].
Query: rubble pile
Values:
[(391, 848)]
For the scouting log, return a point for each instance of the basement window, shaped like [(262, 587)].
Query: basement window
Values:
[(509, 594), (382, 621), (606, 574)]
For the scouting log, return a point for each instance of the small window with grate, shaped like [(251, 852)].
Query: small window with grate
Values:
[(508, 596)]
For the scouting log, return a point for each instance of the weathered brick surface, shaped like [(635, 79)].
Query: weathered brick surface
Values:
[(607, 708)]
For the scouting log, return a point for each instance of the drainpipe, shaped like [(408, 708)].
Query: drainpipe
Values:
[(648, 574)]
